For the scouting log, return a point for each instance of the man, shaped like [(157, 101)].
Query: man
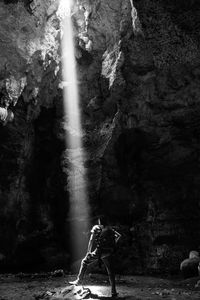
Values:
[(101, 246)]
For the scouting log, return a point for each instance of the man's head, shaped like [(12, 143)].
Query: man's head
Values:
[(103, 220)]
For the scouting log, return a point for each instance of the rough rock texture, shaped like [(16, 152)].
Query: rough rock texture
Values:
[(139, 84), (32, 211), (145, 119)]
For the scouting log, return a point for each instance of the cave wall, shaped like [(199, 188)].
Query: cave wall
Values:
[(34, 202), (138, 73), (145, 120)]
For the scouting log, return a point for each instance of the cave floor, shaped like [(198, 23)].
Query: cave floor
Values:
[(35, 287)]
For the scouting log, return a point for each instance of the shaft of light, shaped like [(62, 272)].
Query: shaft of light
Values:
[(79, 208)]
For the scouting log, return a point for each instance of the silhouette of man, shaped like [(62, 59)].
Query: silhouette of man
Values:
[(101, 246)]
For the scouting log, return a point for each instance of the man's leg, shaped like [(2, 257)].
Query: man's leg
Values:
[(108, 261), (88, 259)]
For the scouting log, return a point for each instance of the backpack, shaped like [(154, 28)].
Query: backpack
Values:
[(107, 243)]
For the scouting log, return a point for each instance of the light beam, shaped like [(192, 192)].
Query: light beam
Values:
[(77, 177)]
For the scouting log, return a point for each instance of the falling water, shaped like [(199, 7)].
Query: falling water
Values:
[(79, 209)]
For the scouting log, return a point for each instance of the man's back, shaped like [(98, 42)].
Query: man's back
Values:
[(104, 239)]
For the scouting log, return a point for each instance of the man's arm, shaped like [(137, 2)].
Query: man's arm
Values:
[(90, 244)]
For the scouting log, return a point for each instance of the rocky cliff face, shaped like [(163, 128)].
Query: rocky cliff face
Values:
[(33, 199), (138, 72)]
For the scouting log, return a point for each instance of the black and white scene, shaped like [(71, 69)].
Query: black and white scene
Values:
[(99, 149)]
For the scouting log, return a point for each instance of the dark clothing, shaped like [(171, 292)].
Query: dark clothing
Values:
[(95, 254), (104, 239), (108, 262)]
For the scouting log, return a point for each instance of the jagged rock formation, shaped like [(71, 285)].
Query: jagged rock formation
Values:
[(31, 174), (138, 72), (146, 115)]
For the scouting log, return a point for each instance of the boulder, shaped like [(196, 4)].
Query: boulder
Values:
[(189, 266)]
